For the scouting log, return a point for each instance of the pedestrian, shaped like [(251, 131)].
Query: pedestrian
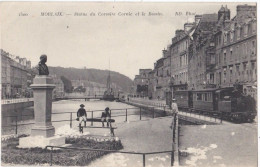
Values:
[(174, 106), (82, 116), (105, 117), (175, 111)]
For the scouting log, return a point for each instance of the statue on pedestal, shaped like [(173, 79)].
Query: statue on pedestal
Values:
[(42, 67)]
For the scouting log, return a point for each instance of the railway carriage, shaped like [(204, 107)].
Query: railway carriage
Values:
[(183, 98), (205, 101), (227, 103)]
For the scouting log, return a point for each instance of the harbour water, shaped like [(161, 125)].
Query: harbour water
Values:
[(64, 109)]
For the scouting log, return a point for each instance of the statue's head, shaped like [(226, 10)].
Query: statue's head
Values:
[(43, 59)]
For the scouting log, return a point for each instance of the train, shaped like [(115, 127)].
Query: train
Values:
[(226, 103)]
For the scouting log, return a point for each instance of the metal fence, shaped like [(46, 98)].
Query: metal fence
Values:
[(150, 103), (18, 100), (126, 114), (111, 151)]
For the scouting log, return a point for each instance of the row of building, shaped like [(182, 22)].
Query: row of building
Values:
[(215, 51), (17, 76)]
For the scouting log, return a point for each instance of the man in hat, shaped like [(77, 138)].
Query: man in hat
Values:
[(82, 115), (175, 111), (174, 106)]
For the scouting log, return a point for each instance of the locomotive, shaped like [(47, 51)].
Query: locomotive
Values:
[(227, 103)]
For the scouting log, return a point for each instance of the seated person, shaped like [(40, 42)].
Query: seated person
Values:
[(82, 115), (105, 117)]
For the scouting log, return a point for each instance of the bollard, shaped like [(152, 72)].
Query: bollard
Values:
[(143, 160), (140, 113), (16, 126), (51, 155), (71, 120), (126, 115), (153, 112), (172, 158), (92, 118)]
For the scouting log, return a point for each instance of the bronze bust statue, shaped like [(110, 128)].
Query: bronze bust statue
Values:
[(42, 67)]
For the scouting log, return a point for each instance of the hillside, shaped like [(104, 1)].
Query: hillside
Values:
[(93, 75)]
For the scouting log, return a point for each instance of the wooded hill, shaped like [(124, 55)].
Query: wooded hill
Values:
[(93, 75)]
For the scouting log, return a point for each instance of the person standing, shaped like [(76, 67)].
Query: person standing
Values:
[(174, 106), (82, 115)]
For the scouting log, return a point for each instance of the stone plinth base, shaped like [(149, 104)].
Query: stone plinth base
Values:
[(45, 131), (40, 141)]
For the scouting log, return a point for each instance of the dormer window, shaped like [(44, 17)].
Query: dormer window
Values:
[(245, 30), (231, 36), (238, 33)]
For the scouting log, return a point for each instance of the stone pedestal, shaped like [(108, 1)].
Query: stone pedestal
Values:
[(43, 130)]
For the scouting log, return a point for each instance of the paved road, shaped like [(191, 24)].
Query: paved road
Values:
[(141, 136), (233, 145)]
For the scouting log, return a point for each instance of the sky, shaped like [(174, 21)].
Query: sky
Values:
[(127, 42)]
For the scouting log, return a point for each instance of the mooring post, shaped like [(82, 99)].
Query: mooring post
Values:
[(143, 160), (71, 120), (92, 118), (16, 126), (172, 157), (140, 113), (126, 115), (51, 155)]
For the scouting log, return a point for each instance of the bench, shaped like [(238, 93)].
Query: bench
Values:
[(99, 120)]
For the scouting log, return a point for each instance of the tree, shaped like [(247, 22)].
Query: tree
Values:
[(68, 88)]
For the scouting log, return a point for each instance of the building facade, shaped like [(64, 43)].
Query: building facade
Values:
[(179, 57), (141, 82), (237, 49), (16, 76), (58, 91), (201, 58)]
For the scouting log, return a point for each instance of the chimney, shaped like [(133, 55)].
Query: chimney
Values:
[(197, 19), (178, 32), (188, 26), (164, 53), (246, 10)]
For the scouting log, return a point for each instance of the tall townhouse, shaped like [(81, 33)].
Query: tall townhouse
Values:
[(141, 82), (202, 53), (236, 51), (179, 57)]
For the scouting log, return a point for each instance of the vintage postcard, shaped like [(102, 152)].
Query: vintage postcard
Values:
[(129, 84)]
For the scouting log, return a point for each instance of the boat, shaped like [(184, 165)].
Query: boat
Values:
[(109, 94)]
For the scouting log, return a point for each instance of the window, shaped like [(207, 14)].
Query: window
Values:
[(238, 33), (231, 53), (231, 75), (206, 97), (225, 37), (245, 30), (199, 96), (225, 75), (231, 36), (241, 32), (237, 70), (254, 27), (244, 66), (209, 97)]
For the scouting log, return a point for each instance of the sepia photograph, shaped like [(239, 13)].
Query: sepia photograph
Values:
[(129, 84)]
